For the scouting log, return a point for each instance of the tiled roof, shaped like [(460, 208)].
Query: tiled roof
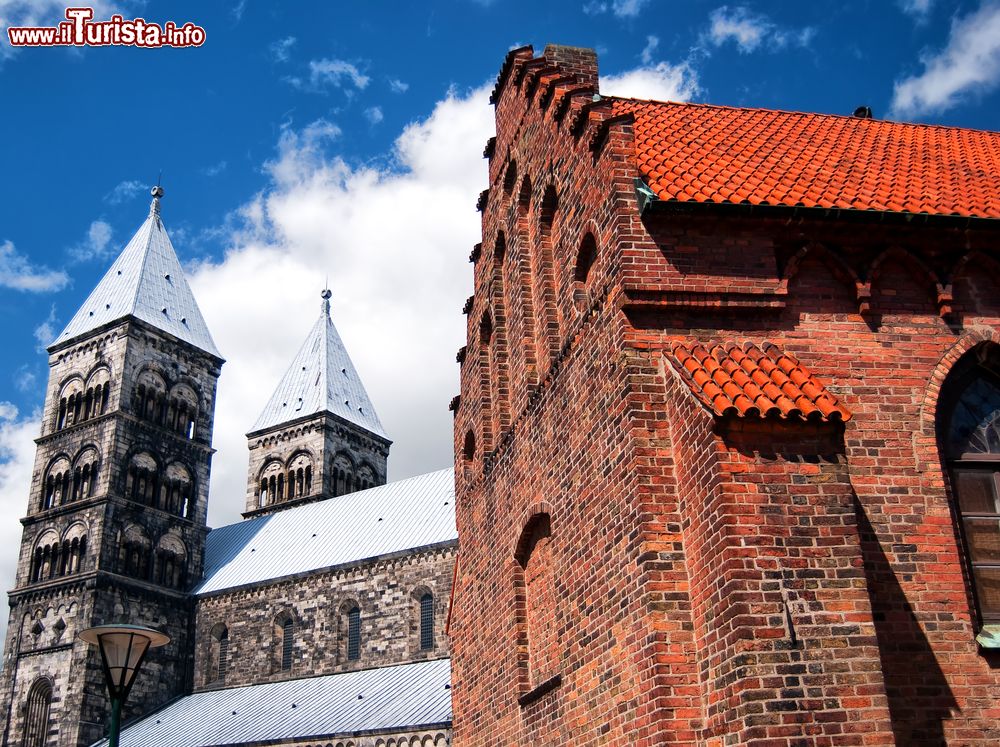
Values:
[(402, 515), (145, 282), (389, 698), (749, 381), (322, 378), (716, 154)]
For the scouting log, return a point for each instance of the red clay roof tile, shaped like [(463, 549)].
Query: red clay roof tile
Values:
[(751, 381), (690, 152)]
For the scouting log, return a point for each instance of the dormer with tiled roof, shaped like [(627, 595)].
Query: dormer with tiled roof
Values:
[(319, 435)]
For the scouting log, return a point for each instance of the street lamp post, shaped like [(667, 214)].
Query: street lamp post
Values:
[(123, 649)]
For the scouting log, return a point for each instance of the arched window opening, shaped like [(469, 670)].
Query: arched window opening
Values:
[(171, 557), (366, 477), (71, 397), (47, 557), (545, 279), (36, 714), (585, 259), (287, 642), (182, 411), (177, 491), (510, 178), (150, 399), (469, 446), (269, 483), (134, 554), (970, 435), (426, 622), (57, 487), (343, 475), (299, 476), (220, 662), (84, 475), (142, 480), (353, 634), (537, 585)]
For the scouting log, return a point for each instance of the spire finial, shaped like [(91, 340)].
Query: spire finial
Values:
[(326, 300), (157, 192)]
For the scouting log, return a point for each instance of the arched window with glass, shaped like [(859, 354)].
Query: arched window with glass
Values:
[(970, 434)]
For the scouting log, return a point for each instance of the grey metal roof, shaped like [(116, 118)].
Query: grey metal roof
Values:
[(388, 698), (145, 282), (321, 379), (402, 515)]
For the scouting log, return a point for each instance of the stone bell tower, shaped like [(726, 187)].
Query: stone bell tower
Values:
[(115, 523), (319, 435)]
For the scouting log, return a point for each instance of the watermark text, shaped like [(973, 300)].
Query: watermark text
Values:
[(81, 30)]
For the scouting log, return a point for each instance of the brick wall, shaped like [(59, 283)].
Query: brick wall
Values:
[(718, 580)]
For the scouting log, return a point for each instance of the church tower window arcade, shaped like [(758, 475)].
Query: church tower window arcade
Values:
[(170, 489), (80, 401), (68, 481), (175, 410), (55, 557)]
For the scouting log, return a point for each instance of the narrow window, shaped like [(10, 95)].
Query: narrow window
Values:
[(426, 622), (224, 655), (287, 635), (36, 716), (354, 634)]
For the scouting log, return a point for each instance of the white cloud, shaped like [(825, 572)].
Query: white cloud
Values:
[(25, 379), (968, 65), (17, 458), (398, 86), (652, 42), (661, 82), (394, 242), (917, 8), (374, 114), (214, 169), (18, 273), (281, 50), (45, 333), (621, 8), (95, 245), (749, 31), (123, 191), (239, 9), (335, 72)]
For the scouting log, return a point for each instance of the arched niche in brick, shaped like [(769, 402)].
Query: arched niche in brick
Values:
[(535, 603)]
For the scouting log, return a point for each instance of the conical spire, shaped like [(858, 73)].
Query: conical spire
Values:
[(321, 379), (145, 282)]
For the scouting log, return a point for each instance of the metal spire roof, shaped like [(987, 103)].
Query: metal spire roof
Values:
[(145, 282), (321, 379), (403, 515), (397, 698)]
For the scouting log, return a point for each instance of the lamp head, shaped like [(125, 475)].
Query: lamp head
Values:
[(123, 648)]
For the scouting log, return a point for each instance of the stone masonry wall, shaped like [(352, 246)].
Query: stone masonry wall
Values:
[(387, 591), (324, 439)]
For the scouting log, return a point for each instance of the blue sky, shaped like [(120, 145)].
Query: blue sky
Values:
[(309, 139)]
